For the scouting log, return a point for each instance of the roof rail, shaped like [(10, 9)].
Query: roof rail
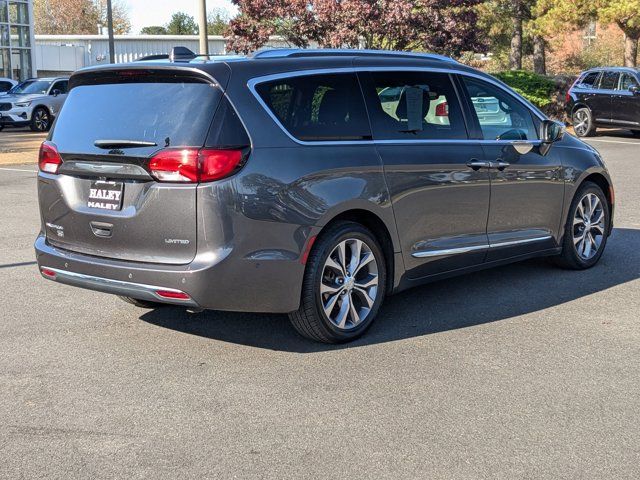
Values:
[(334, 52)]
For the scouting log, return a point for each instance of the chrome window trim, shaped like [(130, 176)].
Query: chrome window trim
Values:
[(254, 82), (457, 251)]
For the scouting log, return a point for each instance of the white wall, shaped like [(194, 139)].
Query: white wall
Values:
[(66, 53)]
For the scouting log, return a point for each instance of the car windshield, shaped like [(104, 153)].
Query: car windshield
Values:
[(31, 86)]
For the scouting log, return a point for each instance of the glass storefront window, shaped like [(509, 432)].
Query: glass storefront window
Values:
[(15, 39), (18, 13)]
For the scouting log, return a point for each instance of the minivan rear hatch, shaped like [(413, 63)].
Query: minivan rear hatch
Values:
[(104, 201)]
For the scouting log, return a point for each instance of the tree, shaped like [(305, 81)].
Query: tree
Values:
[(62, 17), (182, 24), (624, 13), (154, 30), (443, 26), (217, 22)]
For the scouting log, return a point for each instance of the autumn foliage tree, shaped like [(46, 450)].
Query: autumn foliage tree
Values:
[(66, 17), (624, 13), (443, 26)]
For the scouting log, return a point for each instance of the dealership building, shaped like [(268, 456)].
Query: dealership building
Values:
[(17, 60)]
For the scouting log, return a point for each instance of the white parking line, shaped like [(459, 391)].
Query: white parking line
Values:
[(18, 170), (611, 141)]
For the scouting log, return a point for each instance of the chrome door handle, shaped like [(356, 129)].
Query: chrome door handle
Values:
[(478, 164), (500, 165)]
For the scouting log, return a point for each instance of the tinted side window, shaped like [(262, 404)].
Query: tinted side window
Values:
[(609, 81), (5, 86), (589, 80), (414, 105), (627, 81), (500, 115), (318, 107), (62, 86)]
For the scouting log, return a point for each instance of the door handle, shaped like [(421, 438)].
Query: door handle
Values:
[(500, 165), (478, 164)]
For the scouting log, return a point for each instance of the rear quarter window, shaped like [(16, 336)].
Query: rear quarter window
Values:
[(318, 107), (174, 114)]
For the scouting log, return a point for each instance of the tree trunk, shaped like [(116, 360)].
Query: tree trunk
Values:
[(515, 57), (539, 57), (631, 49)]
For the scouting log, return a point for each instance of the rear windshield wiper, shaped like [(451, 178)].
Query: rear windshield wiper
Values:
[(110, 144)]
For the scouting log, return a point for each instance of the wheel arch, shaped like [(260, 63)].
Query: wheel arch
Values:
[(578, 106), (378, 227)]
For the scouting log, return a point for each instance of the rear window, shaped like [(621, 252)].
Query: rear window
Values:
[(318, 107), (589, 80), (175, 114)]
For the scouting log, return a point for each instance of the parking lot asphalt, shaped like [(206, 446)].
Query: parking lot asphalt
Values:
[(19, 145), (526, 371)]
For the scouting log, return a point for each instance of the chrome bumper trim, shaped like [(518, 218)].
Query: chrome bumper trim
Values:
[(127, 289)]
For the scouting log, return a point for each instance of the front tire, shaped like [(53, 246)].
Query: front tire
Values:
[(344, 285), (586, 230), (583, 123), (40, 120)]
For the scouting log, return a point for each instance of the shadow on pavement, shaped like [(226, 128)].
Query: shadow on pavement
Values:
[(465, 301)]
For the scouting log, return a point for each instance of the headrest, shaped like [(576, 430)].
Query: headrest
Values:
[(334, 107), (401, 109)]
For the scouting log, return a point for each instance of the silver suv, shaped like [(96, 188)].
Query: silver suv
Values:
[(34, 103)]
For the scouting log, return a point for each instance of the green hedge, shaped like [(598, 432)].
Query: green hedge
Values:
[(538, 89)]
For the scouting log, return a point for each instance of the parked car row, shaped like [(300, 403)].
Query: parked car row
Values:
[(34, 102)]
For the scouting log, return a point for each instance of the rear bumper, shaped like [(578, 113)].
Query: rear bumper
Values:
[(216, 280), (128, 289)]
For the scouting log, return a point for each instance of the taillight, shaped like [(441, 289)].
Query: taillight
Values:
[(567, 97), (49, 159), (442, 110), (192, 165), (175, 165)]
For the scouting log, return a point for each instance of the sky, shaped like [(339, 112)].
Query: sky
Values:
[(143, 13)]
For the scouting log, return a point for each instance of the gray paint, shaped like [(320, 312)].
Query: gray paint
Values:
[(248, 232)]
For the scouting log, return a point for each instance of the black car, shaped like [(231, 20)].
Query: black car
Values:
[(605, 97)]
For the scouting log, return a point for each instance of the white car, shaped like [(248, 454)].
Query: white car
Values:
[(6, 84), (33, 103)]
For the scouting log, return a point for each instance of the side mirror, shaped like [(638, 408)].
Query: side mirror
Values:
[(634, 89), (56, 92), (552, 131)]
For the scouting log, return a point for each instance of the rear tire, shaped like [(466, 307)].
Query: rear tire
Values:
[(583, 122), (142, 303), (344, 285), (586, 230)]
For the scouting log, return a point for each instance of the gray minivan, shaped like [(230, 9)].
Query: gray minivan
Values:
[(285, 181)]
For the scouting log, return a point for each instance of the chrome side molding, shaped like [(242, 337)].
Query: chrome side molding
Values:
[(457, 251)]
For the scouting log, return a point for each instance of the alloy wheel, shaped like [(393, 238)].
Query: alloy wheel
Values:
[(349, 284), (41, 120), (588, 226), (581, 122)]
